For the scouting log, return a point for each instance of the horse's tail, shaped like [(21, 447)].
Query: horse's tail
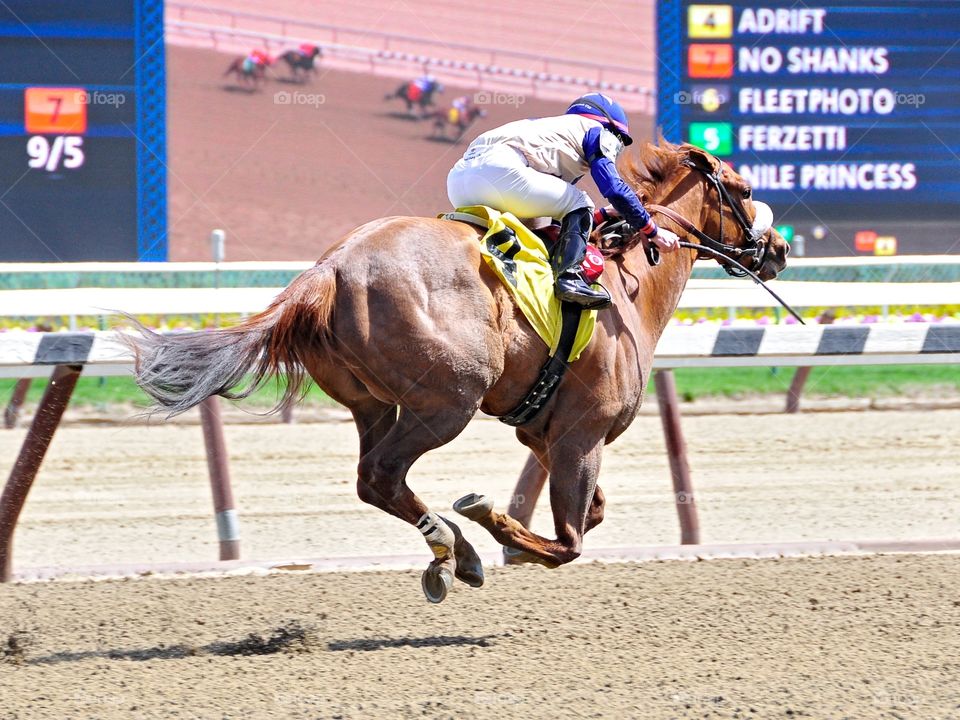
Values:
[(234, 67), (179, 371)]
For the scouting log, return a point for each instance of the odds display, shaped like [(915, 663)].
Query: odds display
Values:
[(846, 110), (82, 131)]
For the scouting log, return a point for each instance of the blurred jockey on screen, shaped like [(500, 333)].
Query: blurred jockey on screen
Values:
[(529, 168), (256, 58), (424, 84)]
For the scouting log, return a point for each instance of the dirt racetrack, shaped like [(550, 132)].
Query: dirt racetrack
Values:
[(828, 637), (853, 637), (113, 494)]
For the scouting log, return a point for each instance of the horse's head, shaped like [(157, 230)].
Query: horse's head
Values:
[(739, 226), (722, 217)]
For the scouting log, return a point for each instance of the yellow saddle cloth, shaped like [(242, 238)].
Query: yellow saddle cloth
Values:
[(521, 261)]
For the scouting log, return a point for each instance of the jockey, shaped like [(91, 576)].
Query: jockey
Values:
[(427, 83), (256, 58), (457, 113), (529, 168)]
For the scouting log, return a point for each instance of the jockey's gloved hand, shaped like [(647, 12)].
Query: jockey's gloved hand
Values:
[(665, 240)]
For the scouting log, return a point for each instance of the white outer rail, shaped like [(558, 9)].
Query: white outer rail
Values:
[(680, 346)]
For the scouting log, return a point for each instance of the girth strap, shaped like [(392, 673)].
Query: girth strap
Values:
[(551, 373)]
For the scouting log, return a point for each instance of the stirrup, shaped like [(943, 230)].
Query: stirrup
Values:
[(572, 288)]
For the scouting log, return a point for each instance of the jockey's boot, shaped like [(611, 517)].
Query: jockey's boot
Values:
[(567, 255)]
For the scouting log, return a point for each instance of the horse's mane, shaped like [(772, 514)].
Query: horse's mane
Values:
[(645, 170)]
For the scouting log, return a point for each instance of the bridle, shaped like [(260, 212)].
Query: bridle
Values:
[(752, 251)]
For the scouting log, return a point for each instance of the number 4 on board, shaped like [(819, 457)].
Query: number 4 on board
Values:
[(710, 21)]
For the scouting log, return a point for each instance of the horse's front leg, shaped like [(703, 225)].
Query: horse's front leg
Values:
[(530, 484), (573, 469)]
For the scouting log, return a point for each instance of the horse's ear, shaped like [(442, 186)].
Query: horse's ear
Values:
[(701, 159)]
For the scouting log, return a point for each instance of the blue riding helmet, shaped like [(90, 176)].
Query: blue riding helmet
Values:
[(598, 106)]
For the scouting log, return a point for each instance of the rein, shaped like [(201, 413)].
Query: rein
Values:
[(753, 249), (756, 278), (727, 255)]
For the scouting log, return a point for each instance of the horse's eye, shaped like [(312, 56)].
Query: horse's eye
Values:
[(747, 192)]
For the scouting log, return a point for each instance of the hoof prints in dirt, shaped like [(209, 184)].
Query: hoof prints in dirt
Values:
[(368, 644), (13, 651), (289, 638)]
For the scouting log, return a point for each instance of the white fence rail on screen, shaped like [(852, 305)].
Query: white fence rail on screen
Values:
[(499, 70)]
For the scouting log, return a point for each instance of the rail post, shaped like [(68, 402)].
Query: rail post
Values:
[(228, 528), (12, 412), (677, 452), (35, 445), (286, 411), (529, 485), (802, 373)]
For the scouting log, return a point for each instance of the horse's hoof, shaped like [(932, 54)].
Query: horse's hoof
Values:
[(473, 506), (436, 582), (472, 575), (512, 556), (469, 567)]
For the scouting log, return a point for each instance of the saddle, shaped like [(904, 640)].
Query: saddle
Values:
[(519, 256)]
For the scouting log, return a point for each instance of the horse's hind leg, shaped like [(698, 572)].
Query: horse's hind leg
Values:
[(373, 420), (382, 482), (573, 480)]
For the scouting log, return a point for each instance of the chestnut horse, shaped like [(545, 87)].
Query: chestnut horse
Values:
[(404, 324)]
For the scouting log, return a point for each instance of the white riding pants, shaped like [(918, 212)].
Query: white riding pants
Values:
[(498, 176)]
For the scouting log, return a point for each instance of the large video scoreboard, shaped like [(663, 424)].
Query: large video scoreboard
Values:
[(82, 130), (841, 113)]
